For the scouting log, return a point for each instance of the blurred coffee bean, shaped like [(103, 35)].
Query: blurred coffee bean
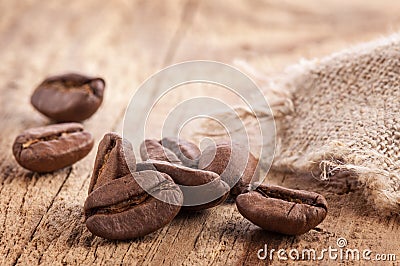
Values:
[(69, 97)]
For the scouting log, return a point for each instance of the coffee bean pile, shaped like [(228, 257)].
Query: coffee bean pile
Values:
[(129, 199)]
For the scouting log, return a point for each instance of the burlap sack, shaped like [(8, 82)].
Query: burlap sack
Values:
[(341, 114)]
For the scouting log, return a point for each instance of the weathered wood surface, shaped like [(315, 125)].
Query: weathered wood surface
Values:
[(126, 41)]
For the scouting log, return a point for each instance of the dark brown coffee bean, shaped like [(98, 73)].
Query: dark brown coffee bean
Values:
[(186, 151), (69, 97), (49, 148), (114, 159), (212, 195), (283, 210), (153, 150), (234, 163), (121, 209)]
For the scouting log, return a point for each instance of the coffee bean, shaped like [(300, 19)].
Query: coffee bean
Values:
[(69, 97), (114, 159), (283, 210), (213, 194), (49, 148), (233, 162), (153, 150), (121, 209), (186, 151)]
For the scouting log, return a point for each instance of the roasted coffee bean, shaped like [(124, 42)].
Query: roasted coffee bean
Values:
[(153, 150), (233, 162), (283, 210), (49, 148), (69, 97), (114, 159), (122, 209), (186, 151), (212, 195)]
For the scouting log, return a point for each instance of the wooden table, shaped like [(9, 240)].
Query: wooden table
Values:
[(125, 41)]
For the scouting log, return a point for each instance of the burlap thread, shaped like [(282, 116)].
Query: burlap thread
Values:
[(341, 114)]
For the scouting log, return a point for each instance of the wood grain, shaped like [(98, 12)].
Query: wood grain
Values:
[(41, 218)]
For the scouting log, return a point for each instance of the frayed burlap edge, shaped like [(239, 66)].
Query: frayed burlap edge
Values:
[(335, 157)]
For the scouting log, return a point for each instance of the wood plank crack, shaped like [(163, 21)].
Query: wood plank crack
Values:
[(41, 218), (188, 14)]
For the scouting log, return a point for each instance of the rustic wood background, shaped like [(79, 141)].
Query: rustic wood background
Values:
[(126, 41)]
